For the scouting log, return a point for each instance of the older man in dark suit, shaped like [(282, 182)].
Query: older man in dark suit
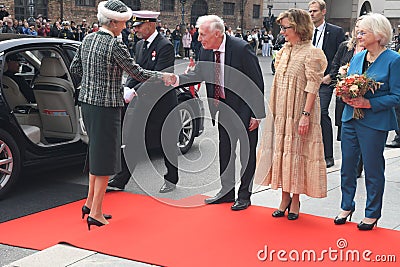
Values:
[(153, 52), (327, 37), (235, 90)]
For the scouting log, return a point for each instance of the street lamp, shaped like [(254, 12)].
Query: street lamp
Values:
[(62, 9), (242, 7), (183, 11), (269, 9), (270, 16), (31, 9), (268, 21)]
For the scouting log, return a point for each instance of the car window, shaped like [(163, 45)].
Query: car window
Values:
[(70, 53)]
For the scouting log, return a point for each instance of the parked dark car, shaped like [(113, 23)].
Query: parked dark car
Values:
[(48, 130)]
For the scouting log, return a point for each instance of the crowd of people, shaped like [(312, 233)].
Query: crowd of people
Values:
[(259, 39), (43, 27), (297, 138)]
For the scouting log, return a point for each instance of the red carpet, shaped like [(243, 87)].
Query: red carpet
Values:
[(144, 229)]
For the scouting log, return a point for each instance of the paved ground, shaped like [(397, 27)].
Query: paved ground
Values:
[(63, 255)]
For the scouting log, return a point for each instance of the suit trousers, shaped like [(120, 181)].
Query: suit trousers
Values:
[(228, 139), (152, 133), (359, 139), (325, 95)]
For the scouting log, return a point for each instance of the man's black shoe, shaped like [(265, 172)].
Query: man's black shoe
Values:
[(220, 198), (115, 184), (329, 162), (167, 187), (241, 204), (394, 144), (119, 181)]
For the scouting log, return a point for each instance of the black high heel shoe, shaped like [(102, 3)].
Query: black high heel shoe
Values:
[(86, 210), (293, 216), (278, 213), (90, 221), (342, 220), (367, 226)]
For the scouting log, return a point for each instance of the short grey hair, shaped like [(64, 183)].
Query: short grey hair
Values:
[(215, 22), (379, 25), (103, 20)]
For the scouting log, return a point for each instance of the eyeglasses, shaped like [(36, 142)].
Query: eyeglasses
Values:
[(361, 33), (283, 28)]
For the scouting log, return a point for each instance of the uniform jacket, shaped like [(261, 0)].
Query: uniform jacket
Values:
[(159, 57)]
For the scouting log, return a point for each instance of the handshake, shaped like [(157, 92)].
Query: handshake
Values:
[(170, 78)]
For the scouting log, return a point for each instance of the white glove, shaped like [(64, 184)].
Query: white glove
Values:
[(129, 94)]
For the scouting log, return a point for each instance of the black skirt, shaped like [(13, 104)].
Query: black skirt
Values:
[(103, 126)]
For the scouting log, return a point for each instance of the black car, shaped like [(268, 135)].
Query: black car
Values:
[(40, 119)]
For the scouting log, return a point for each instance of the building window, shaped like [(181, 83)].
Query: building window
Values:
[(85, 3), (229, 9), (41, 7), (24, 9), (133, 4), (167, 5), (256, 11)]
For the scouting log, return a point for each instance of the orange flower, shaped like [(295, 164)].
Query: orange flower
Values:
[(354, 86)]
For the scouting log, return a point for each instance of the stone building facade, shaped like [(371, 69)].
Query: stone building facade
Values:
[(236, 13)]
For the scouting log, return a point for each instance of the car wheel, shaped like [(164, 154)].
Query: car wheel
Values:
[(10, 162), (186, 134)]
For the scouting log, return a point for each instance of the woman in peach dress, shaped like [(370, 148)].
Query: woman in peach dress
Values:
[(291, 154)]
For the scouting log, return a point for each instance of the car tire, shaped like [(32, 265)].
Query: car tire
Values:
[(187, 132), (10, 162)]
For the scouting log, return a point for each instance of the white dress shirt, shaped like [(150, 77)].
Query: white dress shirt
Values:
[(320, 35)]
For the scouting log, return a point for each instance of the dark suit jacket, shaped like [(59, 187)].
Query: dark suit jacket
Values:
[(243, 80), (342, 57), (333, 37), (158, 57), (155, 101), (163, 58)]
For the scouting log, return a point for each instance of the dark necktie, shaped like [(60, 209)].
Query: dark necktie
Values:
[(314, 40), (217, 87), (145, 44)]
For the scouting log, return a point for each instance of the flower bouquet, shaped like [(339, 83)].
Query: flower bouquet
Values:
[(354, 86)]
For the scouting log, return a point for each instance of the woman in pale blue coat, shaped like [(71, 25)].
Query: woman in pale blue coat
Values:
[(367, 136)]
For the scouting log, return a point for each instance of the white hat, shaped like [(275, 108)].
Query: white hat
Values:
[(115, 9), (142, 16)]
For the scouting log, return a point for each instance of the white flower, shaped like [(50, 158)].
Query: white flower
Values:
[(354, 89), (343, 69)]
